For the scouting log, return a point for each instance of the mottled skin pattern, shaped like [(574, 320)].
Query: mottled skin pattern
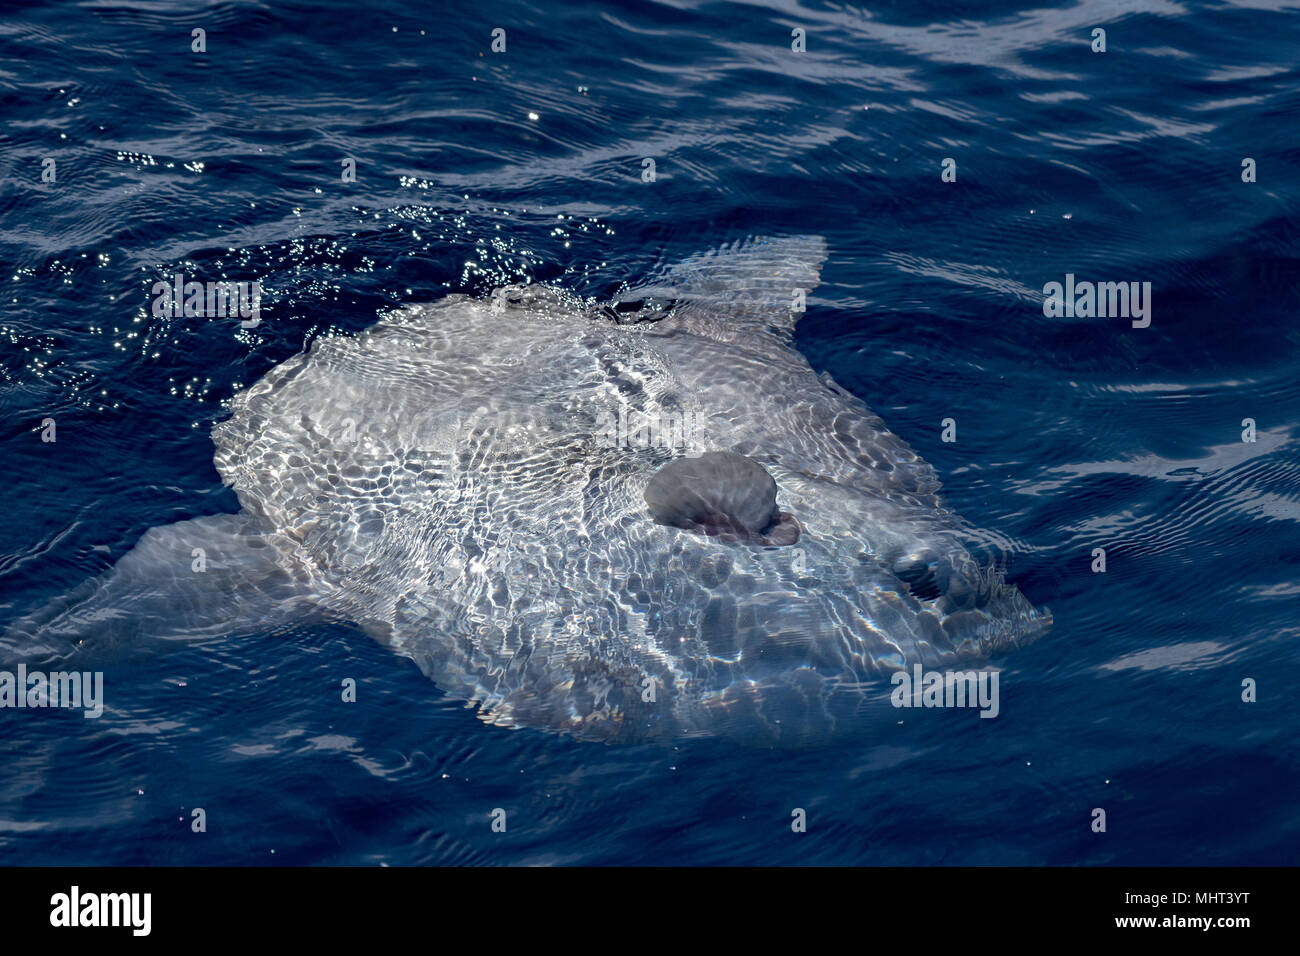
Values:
[(448, 480)]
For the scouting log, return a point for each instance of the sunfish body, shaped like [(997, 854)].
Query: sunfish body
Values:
[(612, 530)]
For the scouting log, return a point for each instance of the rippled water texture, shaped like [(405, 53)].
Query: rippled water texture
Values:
[(475, 169)]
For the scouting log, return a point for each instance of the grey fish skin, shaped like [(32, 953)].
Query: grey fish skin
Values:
[(455, 481)]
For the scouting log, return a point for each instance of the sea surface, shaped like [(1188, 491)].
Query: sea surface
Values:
[(474, 168)]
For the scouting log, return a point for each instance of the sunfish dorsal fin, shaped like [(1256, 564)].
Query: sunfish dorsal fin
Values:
[(748, 286)]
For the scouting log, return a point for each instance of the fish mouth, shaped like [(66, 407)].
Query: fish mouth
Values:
[(1011, 623), (806, 706), (978, 612)]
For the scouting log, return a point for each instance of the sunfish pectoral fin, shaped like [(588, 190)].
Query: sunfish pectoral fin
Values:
[(723, 495), (760, 283), (204, 578)]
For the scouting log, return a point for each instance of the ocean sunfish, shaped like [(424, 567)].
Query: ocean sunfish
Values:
[(609, 524)]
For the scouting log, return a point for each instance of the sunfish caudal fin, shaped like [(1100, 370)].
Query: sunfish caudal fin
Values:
[(204, 578), (757, 284)]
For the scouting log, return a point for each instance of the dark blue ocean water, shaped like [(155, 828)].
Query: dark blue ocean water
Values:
[(475, 168)]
